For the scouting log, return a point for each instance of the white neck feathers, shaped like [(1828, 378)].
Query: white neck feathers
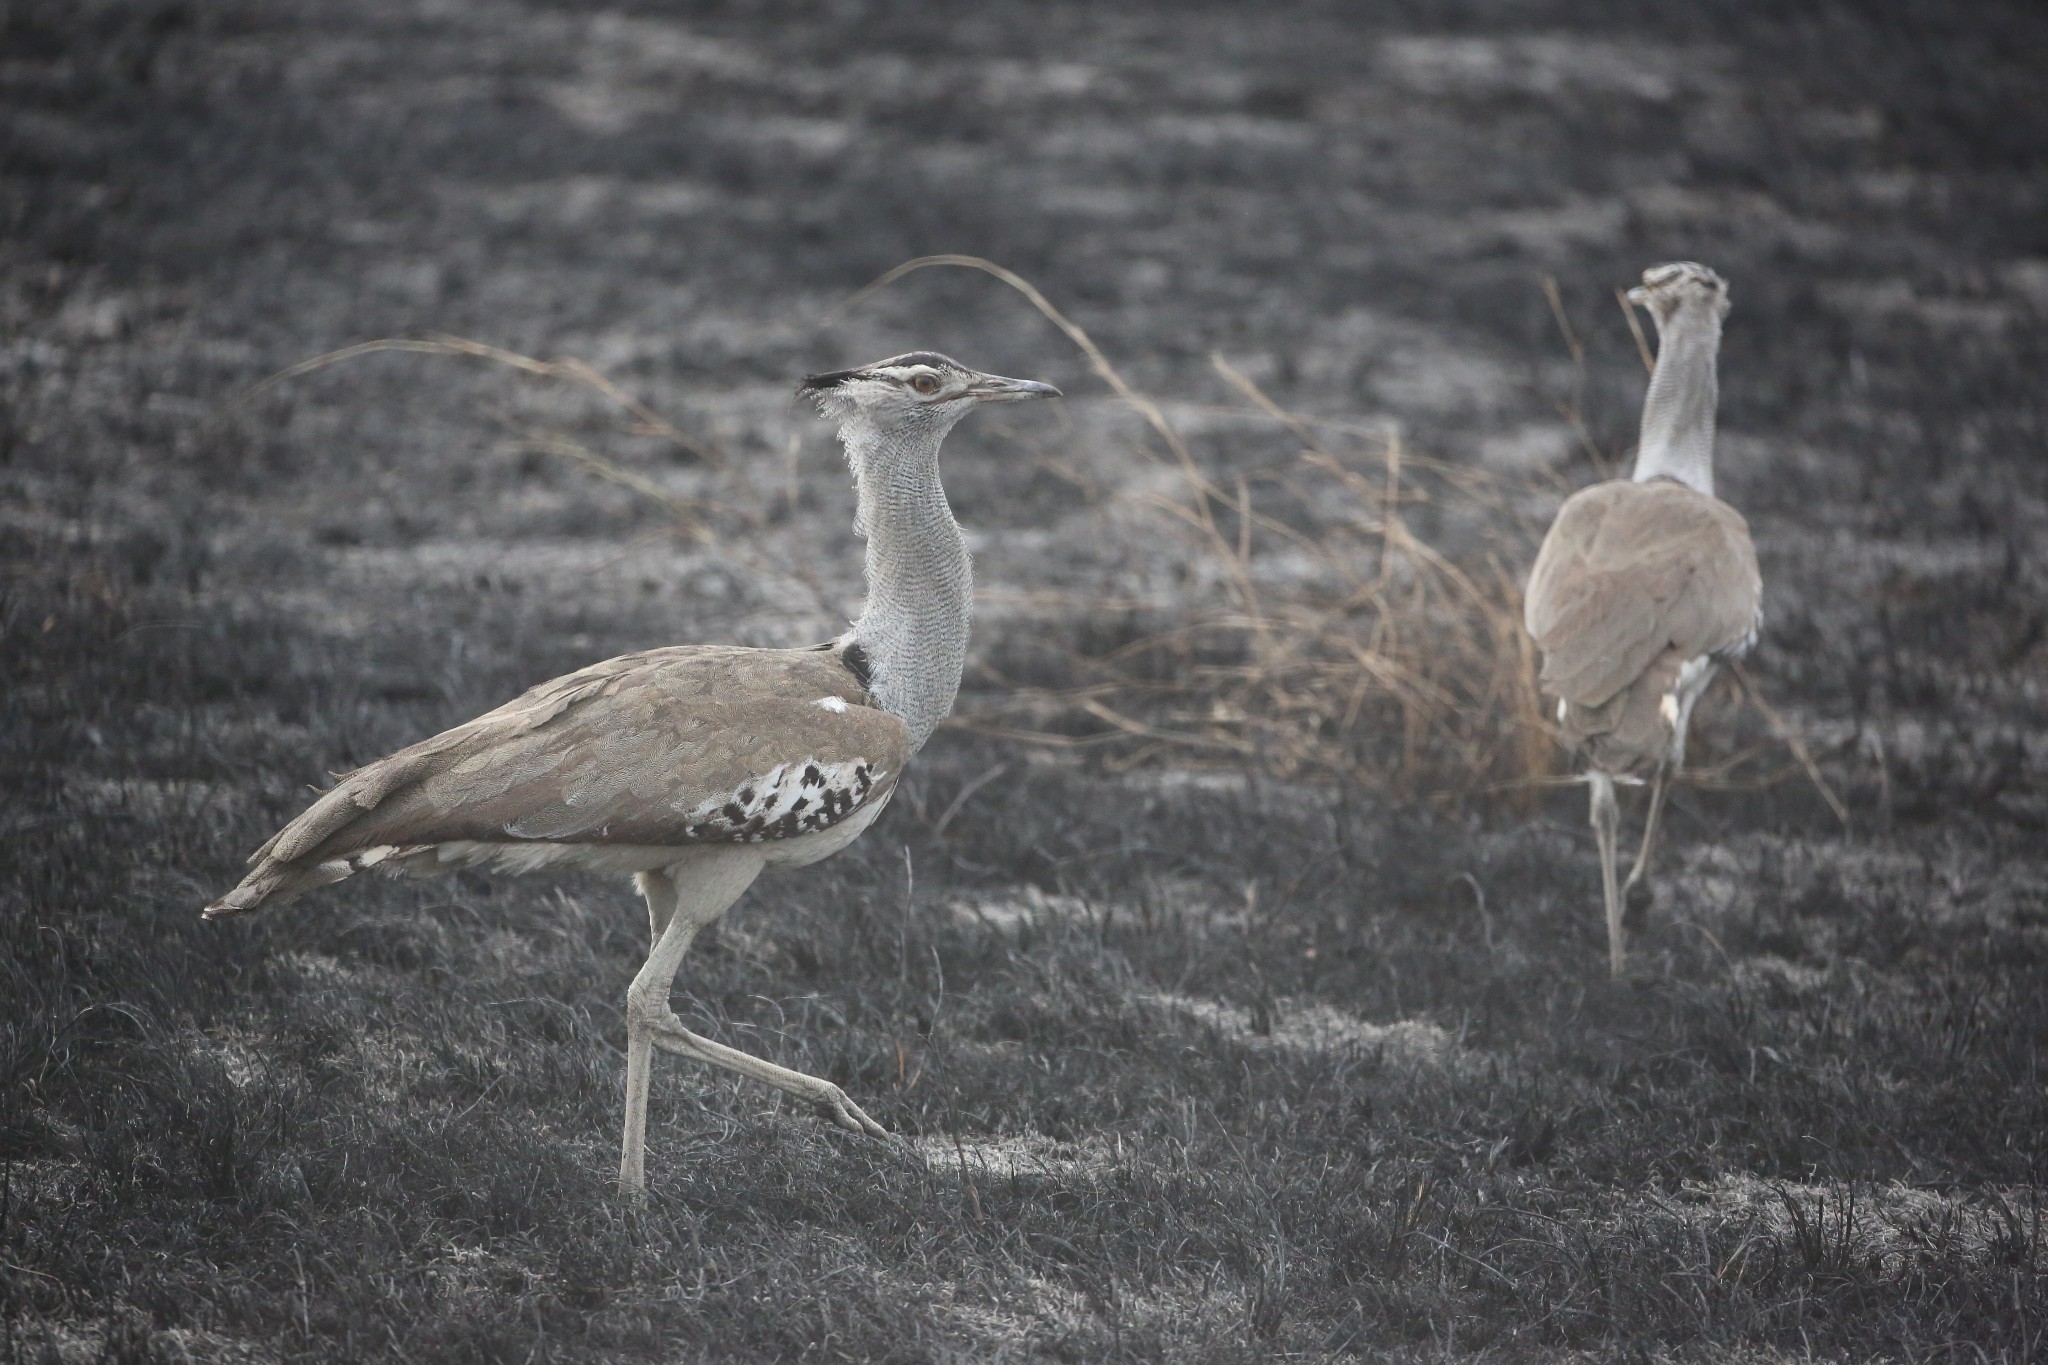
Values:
[(1678, 412), (920, 584)]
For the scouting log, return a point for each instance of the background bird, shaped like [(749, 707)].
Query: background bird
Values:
[(693, 768), (1645, 586)]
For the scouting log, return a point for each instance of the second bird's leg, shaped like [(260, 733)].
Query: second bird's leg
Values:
[(1636, 908), (1606, 818)]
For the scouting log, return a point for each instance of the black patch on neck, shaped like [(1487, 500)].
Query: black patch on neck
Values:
[(856, 660)]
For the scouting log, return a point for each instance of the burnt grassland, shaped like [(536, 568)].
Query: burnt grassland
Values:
[(1201, 1048)]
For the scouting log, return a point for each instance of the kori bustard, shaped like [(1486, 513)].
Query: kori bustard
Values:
[(1645, 586), (692, 768)]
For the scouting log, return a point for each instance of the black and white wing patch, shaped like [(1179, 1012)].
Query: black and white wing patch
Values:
[(792, 799)]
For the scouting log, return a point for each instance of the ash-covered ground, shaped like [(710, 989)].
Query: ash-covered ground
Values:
[(1189, 1063)]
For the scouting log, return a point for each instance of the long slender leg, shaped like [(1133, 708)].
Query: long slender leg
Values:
[(830, 1101), (682, 900), (660, 891), (1606, 817), (1637, 908)]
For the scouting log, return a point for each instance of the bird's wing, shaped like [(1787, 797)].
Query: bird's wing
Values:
[(666, 747), (1630, 570)]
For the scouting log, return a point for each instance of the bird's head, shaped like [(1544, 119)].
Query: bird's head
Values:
[(921, 393), (1668, 289)]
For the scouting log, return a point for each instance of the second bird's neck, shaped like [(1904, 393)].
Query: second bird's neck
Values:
[(920, 583), (1678, 412)]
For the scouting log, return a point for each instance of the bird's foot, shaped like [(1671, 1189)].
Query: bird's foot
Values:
[(835, 1107)]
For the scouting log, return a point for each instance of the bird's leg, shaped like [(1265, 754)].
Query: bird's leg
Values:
[(1636, 908), (828, 1099), (682, 900), (1606, 817), (658, 971)]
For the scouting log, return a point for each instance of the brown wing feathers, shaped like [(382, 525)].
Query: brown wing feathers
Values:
[(1631, 570), (666, 747)]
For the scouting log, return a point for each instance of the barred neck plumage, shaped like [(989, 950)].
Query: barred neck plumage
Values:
[(1678, 412), (920, 582)]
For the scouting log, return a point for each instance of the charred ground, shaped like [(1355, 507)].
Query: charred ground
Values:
[(1191, 1064)]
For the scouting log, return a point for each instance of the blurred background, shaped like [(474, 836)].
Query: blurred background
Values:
[(1247, 955)]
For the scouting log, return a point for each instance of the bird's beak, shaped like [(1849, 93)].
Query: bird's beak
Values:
[(1639, 296), (993, 388)]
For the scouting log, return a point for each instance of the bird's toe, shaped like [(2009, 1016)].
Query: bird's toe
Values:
[(837, 1108)]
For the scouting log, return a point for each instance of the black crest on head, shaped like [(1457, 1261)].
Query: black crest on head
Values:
[(814, 384), (819, 383)]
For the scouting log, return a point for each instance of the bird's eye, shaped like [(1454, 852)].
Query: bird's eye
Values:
[(926, 383)]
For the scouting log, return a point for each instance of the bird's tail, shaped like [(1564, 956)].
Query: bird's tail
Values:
[(275, 882), (302, 856)]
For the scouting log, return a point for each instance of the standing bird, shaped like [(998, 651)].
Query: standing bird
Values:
[(694, 767), (1645, 586)]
